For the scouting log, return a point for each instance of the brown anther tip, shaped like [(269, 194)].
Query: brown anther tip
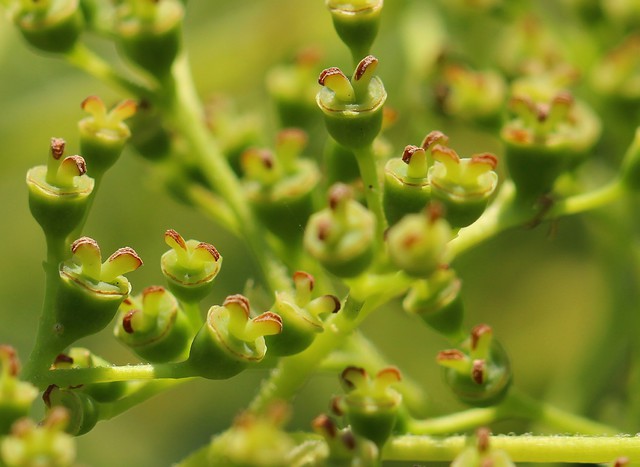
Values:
[(63, 358), (126, 251), (176, 237), (324, 425), (46, 395), (268, 316), (435, 211), (622, 462), (336, 303), (153, 289), (240, 300), (329, 72), (57, 147), (432, 138), (324, 229), (483, 435), (450, 354), (338, 193), (477, 371), (335, 406), (365, 63), (391, 371), (302, 275), (210, 248), (349, 440), (408, 153), (485, 158), (126, 321), (84, 241), (350, 370), (127, 301), (479, 331), (445, 151), (11, 358), (81, 165), (88, 100)]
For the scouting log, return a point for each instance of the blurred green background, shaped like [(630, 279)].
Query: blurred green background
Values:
[(544, 291)]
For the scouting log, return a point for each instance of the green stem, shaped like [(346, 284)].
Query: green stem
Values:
[(548, 449), (369, 174), (194, 315), (83, 58), (588, 201)]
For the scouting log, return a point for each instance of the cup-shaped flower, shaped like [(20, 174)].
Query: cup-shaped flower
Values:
[(149, 33), (352, 109), (189, 267), (417, 243), (45, 443), (357, 23), (438, 303), (301, 316), (154, 326), (79, 357), (255, 440), (481, 454), (49, 25), (546, 137), (59, 191), (406, 179), (341, 236), (462, 186), (103, 134), (15, 396), (230, 339), (82, 409), (91, 290), (370, 403), (479, 374), (279, 185)]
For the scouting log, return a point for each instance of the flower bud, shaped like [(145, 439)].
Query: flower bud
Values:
[(103, 134), (91, 291), (357, 23), (189, 267), (341, 236), (50, 25), (370, 404), (344, 447), (149, 136), (481, 454), (280, 186), (230, 340), (301, 316), (417, 243), (81, 407), (438, 303), (154, 326), (462, 186), (59, 192), (149, 33), (78, 357), (15, 396), (480, 373), (545, 138), (352, 108)]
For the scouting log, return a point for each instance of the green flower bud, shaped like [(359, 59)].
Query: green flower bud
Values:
[(255, 440), (91, 291), (480, 454), (357, 23), (344, 447), (462, 186), (280, 188), (189, 267), (103, 134), (341, 236), (480, 373), (370, 404), (149, 33), (154, 326), (46, 443), (148, 135), (406, 181), (352, 109), (417, 243), (230, 340), (15, 396), (438, 303), (545, 139), (79, 357), (50, 25), (300, 316), (293, 90), (59, 192), (82, 408), (630, 170)]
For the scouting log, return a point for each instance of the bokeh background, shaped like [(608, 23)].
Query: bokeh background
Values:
[(547, 292)]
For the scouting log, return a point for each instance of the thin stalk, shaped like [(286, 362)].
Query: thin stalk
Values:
[(194, 315), (369, 174)]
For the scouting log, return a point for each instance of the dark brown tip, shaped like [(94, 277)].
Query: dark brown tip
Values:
[(349, 440), (329, 72), (432, 138), (81, 165), (483, 435), (211, 249), (365, 63), (302, 275), (323, 425), (336, 303), (450, 354), (408, 153), (63, 358), (152, 289), (126, 321), (338, 193), (240, 300), (345, 376), (176, 237), (477, 371), (336, 406), (84, 241), (486, 158), (46, 395), (477, 332), (57, 147)]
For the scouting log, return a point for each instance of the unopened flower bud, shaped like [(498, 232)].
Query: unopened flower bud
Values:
[(82, 408), (357, 23)]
